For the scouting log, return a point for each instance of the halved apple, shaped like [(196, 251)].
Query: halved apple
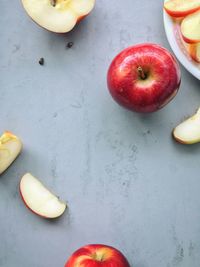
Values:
[(188, 132), (190, 28), (39, 199), (10, 147), (181, 8), (58, 15), (194, 51)]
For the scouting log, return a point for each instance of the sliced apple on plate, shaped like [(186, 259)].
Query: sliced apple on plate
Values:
[(194, 51), (190, 28), (10, 147), (39, 199), (58, 15), (181, 8), (188, 132)]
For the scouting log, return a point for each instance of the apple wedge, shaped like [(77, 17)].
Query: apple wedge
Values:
[(181, 8), (188, 132), (39, 199), (58, 16), (190, 28), (194, 51), (10, 147)]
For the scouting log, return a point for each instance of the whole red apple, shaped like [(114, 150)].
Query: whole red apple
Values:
[(97, 256), (144, 78)]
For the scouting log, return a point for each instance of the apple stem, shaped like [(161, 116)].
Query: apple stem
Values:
[(141, 73), (53, 2)]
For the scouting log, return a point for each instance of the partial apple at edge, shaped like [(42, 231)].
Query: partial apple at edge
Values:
[(10, 148), (188, 132)]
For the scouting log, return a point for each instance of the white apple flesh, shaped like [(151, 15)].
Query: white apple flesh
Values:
[(39, 199), (10, 147), (188, 132), (58, 15), (190, 28)]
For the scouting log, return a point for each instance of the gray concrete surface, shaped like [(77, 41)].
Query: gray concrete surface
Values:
[(126, 182)]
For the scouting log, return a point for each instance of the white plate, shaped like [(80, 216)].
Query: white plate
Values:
[(172, 30)]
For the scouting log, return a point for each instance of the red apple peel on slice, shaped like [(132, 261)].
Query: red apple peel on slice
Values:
[(190, 28), (10, 148), (188, 132), (39, 199), (181, 8)]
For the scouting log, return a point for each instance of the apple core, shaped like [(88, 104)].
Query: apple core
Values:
[(58, 16)]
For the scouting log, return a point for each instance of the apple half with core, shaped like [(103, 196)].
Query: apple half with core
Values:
[(188, 132), (39, 199), (97, 256), (10, 148), (190, 28), (58, 16), (144, 77), (181, 8)]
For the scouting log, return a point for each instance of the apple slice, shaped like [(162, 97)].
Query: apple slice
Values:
[(188, 132), (181, 8), (58, 15), (190, 28), (194, 51), (10, 147), (39, 199)]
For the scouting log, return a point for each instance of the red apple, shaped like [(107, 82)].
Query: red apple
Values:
[(97, 256), (144, 78), (181, 8), (58, 16)]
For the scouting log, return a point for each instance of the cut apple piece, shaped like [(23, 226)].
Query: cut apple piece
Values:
[(181, 8), (39, 199), (58, 15), (10, 147), (188, 132), (190, 28), (194, 51)]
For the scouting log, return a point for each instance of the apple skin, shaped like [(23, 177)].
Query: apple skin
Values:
[(190, 41), (161, 84), (97, 255)]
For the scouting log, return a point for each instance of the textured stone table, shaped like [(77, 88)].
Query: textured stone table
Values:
[(126, 182)]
